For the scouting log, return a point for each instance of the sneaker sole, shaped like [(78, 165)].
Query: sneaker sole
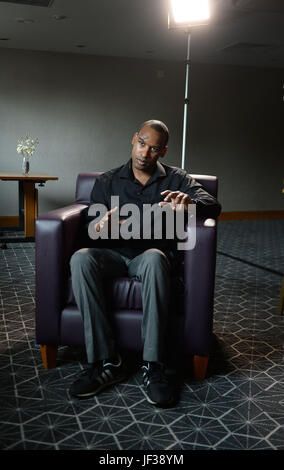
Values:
[(98, 390), (157, 403)]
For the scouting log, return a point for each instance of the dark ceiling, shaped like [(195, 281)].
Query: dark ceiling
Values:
[(240, 32)]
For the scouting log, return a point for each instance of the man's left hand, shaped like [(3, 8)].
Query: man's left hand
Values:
[(177, 199)]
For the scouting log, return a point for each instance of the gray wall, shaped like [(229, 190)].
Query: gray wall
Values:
[(85, 109), (237, 133)]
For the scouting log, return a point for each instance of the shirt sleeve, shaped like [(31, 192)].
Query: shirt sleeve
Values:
[(206, 205)]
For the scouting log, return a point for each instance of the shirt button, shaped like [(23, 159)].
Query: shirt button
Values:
[(139, 193)]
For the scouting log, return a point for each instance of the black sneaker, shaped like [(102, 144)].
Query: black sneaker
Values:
[(158, 389), (97, 378)]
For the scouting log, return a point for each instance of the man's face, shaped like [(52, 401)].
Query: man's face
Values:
[(148, 147)]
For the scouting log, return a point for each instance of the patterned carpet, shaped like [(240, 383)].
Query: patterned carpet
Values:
[(240, 405)]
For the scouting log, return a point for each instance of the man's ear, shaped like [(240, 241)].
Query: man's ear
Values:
[(134, 138), (164, 151)]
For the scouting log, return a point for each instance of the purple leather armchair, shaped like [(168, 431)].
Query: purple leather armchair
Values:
[(58, 320)]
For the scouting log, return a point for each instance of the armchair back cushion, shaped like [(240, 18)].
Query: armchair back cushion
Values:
[(85, 182)]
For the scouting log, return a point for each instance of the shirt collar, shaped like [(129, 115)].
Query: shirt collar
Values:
[(126, 171)]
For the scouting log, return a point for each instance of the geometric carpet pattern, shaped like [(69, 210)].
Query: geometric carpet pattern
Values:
[(239, 406)]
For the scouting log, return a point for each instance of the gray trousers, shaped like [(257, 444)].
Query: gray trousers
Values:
[(90, 267)]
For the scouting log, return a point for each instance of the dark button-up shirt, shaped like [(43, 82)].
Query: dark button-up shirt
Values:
[(122, 182)]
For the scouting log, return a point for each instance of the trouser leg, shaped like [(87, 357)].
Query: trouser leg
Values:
[(153, 269), (89, 268)]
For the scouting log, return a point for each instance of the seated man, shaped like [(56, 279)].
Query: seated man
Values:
[(142, 180)]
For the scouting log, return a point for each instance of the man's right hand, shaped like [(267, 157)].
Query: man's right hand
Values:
[(105, 220)]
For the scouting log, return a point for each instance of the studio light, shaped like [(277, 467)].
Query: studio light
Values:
[(185, 15), (188, 13)]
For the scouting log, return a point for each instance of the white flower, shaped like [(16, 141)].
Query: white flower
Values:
[(27, 146)]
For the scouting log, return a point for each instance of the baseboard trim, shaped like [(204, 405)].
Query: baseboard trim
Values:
[(9, 221), (246, 215)]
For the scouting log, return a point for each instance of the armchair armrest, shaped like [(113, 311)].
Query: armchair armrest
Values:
[(56, 236), (199, 277)]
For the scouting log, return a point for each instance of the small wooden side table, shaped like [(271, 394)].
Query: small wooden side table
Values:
[(28, 203)]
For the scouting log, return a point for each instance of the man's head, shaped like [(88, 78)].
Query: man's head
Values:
[(149, 144)]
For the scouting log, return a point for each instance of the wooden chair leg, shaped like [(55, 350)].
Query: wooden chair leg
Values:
[(200, 367), (48, 355)]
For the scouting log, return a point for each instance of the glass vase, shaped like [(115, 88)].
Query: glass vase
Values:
[(25, 165)]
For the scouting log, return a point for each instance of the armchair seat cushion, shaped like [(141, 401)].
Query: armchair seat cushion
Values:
[(122, 293)]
